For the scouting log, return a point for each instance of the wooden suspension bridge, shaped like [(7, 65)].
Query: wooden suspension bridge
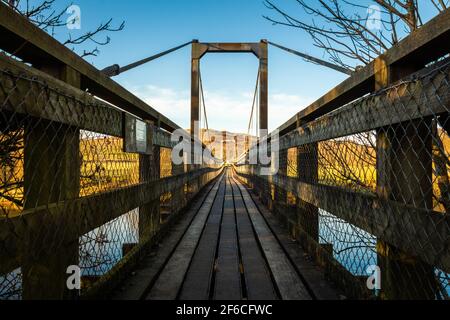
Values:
[(221, 231)]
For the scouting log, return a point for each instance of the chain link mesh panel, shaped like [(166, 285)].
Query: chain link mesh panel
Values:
[(104, 165), (69, 195), (371, 185)]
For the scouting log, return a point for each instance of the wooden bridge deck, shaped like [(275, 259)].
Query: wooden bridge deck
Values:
[(225, 248)]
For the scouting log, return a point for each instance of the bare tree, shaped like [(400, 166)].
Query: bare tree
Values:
[(351, 32), (349, 161), (50, 18)]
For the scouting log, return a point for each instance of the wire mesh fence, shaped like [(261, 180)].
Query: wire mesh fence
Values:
[(69, 194), (101, 249), (370, 181), (104, 165)]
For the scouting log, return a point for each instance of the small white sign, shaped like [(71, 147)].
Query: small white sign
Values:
[(137, 136), (141, 135), (141, 131)]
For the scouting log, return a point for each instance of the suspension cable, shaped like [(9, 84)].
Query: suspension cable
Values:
[(313, 59), (115, 69), (254, 102), (203, 102), (257, 116)]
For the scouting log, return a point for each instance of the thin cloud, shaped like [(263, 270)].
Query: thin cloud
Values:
[(226, 111)]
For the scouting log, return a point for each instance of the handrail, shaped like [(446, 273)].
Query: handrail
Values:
[(22, 39), (423, 46), (84, 214)]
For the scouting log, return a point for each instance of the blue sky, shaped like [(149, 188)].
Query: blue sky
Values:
[(229, 79)]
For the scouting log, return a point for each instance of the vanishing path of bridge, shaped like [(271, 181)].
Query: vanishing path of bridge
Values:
[(227, 248), (88, 187)]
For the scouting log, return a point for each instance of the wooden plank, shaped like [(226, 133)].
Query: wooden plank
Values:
[(168, 284), (114, 278), (335, 272), (150, 213), (428, 96), (228, 278), (32, 92), (400, 225), (82, 214), (27, 41), (28, 91), (199, 276), (313, 274), (257, 275), (134, 288), (288, 281)]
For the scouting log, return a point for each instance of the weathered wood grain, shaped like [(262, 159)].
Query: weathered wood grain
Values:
[(421, 47), (428, 96), (31, 92), (257, 275), (168, 284), (153, 263), (402, 226), (81, 215), (228, 284), (313, 275), (199, 276), (288, 281)]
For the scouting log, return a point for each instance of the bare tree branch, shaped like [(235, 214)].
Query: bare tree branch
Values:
[(45, 15), (341, 28)]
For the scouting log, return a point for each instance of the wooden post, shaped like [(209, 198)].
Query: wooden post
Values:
[(224, 146), (51, 174), (308, 171), (280, 201), (247, 144), (263, 188), (177, 195), (149, 214), (263, 86), (236, 153), (195, 109), (404, 174), (195, 90)]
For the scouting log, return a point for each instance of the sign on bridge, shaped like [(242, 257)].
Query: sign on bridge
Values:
[(138, 136)]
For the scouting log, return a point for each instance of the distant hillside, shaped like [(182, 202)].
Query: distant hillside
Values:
[(235, 143)]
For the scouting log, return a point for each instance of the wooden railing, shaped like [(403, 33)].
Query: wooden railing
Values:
[(48, 101), (400, 103)]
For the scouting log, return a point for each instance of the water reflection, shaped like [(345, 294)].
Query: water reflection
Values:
[(353, 247), (101, 249), (11, 285)]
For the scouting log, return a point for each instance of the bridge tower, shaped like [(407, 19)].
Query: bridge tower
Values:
[(224, 146), (259, 49)]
